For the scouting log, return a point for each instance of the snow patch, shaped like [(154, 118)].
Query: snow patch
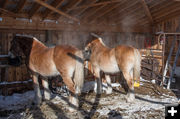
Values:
[(16, 101)]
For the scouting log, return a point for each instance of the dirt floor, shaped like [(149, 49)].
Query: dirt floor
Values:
[(149, 103)]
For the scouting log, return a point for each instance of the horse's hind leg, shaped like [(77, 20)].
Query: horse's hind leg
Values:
[(99, 81), (109, 87), (73, 96), (38, 97), (128, 78), (47, 93)]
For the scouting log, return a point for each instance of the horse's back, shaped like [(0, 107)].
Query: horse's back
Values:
[(42, 62), (64, 52)]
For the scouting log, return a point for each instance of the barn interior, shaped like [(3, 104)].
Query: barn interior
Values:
[(152, 26)]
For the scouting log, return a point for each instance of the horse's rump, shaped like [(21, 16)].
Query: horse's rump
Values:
[(69, 59), (127, 58), (64, 58)]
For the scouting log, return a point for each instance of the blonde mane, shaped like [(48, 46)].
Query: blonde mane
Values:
[(29, 36), (99, 38)]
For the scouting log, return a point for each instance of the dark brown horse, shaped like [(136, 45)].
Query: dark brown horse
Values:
[(63, 60), (122, 58)]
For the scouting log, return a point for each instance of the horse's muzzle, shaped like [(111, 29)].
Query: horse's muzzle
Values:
[(11, 55), (86, 55), (16, 61)]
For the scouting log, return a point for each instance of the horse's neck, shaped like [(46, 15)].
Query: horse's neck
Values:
[(38, 45), (30, 46), (101, 47)]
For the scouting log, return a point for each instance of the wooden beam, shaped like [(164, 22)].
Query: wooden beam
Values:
[(11, 23), (8, 13), (96, 4), (55, 4), (146, 10), (56, 10), (20, 6)]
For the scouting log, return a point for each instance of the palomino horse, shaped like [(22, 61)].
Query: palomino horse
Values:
[(63, 60), (121, 58)]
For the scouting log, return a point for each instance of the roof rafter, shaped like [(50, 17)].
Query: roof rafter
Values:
[(91, 13), (96, 4), (34, 9), (128, 12), (9, 13), (3, 4), (124, 7), (56, 10), (20, 6), (81, 11), (131, 19), (55, 4), (147, 11), (107, 11), (166, 12), (67, 10), (167, 17)]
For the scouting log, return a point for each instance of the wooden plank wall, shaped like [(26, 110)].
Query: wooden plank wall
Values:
[(50, 38)]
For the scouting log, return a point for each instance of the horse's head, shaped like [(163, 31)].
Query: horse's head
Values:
[(15, 53), (89, 47), (15, 49), (87, 51)]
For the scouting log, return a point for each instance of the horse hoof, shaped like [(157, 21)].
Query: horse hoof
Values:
[(109, 91), (72, 110), (130, 100), (37, 103)]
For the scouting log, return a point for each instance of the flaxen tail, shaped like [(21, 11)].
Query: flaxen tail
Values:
[(79, 72), (137, 67)]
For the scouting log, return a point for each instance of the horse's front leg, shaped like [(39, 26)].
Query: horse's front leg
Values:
[(98, 80), (38, 96), (109, 87), (47, 93)]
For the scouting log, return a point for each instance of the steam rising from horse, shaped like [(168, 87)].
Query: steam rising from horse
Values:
[(59, 60), (122, 58)]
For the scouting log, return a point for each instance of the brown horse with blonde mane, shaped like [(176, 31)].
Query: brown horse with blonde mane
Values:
[(122, 58), (63, 60)]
